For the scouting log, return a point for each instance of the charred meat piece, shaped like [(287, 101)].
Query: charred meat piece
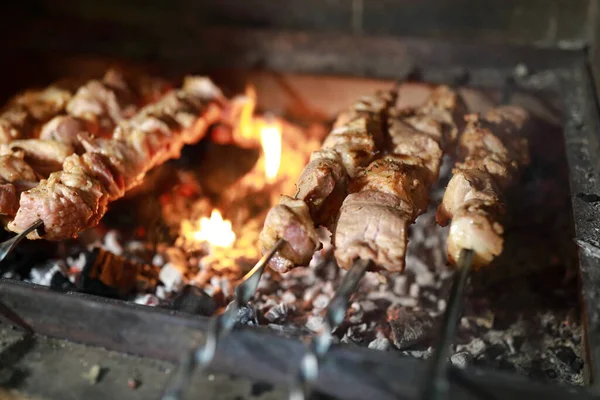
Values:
[(356, 138), (493, 150), (75, 198), (392, 191)]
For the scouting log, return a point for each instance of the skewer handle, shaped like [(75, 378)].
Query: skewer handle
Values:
[(436, 384), (9, 245)]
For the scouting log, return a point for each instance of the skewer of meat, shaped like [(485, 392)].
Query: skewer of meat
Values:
[(493, 150), (76, 198), (387, 197), (357, 136), (94, 105), (99, 106)]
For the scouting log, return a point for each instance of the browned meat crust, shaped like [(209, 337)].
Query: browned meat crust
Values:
[(393, 191)]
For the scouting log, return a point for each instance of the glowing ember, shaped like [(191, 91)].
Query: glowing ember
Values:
[(214, 230), (270, 139)]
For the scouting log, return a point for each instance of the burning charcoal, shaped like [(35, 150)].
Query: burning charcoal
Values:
[(461, 360), (278, 313), (247, 316), (409, 327), (106, 274), (171, 277), (194, 300), (61, 283), (568, 356)]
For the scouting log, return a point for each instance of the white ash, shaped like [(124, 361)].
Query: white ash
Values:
[(288, 297), (475, 347), (400, 287), (161, 292), (278, 313), (147, 300), (381, 342), (77, 263), (158, 260), (320, 301), (441, 305), (111, 243), (414, 290), (314, 323), (171, 277), (43, 276), (461, 360)]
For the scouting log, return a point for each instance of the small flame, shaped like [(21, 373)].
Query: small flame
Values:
[(270, 139), (246, 122), (214, 230)]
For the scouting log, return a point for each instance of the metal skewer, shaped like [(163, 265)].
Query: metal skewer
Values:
[(436, 384), (307, 375), (219, 327), (9, 245)]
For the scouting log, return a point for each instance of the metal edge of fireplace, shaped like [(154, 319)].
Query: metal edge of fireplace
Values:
[(252, 352), (563, 72)]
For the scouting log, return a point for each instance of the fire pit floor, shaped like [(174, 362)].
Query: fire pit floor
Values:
[(36, 367)]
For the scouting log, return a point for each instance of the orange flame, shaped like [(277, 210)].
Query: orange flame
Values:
[(251, 129), (214, 230), (270, 140), (246, 128)]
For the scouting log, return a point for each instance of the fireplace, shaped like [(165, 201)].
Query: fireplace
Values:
[(523, 322)]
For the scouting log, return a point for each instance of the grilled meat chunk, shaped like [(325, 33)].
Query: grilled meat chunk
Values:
[(393, 191), (493, 150), (289, 220)]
